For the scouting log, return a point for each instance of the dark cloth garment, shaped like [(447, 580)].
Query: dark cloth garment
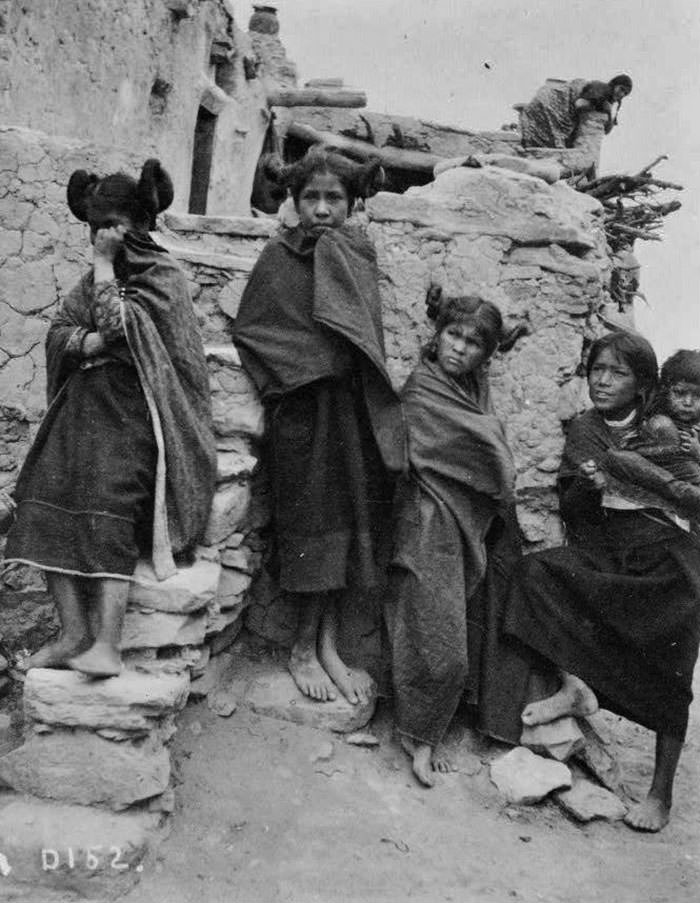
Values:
[(456, 540), (619, 607), (331, 495), (309, 333), (159, 335), (86, 494), (311, 310)]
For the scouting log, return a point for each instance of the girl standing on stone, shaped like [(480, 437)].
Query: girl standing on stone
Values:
[(615, 615), (456, 535), (124, 461), (309, 332)]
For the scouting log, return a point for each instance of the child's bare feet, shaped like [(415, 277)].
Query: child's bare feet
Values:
[(308, 674), (441, 761), (421, 755), (652, 814), (56, 655), (355, 684), (100, 660), (573, 698)]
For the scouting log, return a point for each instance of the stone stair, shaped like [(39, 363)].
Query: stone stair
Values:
[(96, 752)]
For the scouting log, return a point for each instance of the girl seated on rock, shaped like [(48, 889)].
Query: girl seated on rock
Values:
[(309, 332), (615, 615), (456, 535), (124, 461)]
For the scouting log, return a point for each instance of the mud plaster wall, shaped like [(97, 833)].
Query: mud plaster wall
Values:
[(133, 76)]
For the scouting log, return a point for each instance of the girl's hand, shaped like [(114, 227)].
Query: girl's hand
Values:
[(590, 472), (93, 344), (690, 444), (107, 243)]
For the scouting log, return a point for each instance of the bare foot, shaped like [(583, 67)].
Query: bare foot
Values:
[(100, 660), (651, 815), (441, 761), (309, 676), (421, 755), (56, 655), (355, 684), (574, 698)]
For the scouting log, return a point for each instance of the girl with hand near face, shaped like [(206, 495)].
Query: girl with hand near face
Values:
[(123, 465)]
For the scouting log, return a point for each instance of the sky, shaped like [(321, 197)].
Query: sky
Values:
[(425, 58)]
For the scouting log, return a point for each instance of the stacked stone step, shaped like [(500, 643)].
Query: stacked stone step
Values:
[(94, 768)]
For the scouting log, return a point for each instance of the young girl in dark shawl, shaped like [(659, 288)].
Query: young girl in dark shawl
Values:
[(124, 461), (309, 332), (456, 533), (617, 611)]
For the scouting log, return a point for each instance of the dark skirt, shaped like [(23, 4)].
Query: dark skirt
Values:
[(622, 614), (331, 493), (85, 492)]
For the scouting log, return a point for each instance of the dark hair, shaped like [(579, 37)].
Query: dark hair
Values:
[(358, 180), (683, 366), (485, 316), (636, 352), (91, 198), (623, 81)]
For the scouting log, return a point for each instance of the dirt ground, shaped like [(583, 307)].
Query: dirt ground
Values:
[(265, 814)]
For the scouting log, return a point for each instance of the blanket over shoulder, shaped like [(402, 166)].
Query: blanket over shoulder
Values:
[(163, 336)]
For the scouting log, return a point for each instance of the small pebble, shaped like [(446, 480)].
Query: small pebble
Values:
[(362, 738), (324, 752)]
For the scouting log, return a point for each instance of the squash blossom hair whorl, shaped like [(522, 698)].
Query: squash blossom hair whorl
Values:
[(93, 199)]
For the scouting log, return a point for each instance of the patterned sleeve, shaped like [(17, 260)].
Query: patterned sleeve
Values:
[(106, 309)]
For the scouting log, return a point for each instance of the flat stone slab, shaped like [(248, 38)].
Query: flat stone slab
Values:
[(271, 691), (154, 629), (61, 847), (133, 701), (558, 739), (525, 778), (190, 589), (587, 801), (81, 767)]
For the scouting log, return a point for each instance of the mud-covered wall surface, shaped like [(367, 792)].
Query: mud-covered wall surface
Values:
[(135, 78)]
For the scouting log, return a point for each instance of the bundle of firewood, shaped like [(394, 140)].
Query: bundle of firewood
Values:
[(632, 205)]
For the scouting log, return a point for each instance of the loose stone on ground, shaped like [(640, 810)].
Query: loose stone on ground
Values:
[(586, 801), (523, 777)]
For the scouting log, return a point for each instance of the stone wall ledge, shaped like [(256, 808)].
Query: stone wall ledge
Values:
[(187, 254), (236, 226), (133, 701), (78, 766)]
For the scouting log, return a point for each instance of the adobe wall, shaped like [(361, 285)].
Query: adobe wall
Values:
[(134, 78)]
